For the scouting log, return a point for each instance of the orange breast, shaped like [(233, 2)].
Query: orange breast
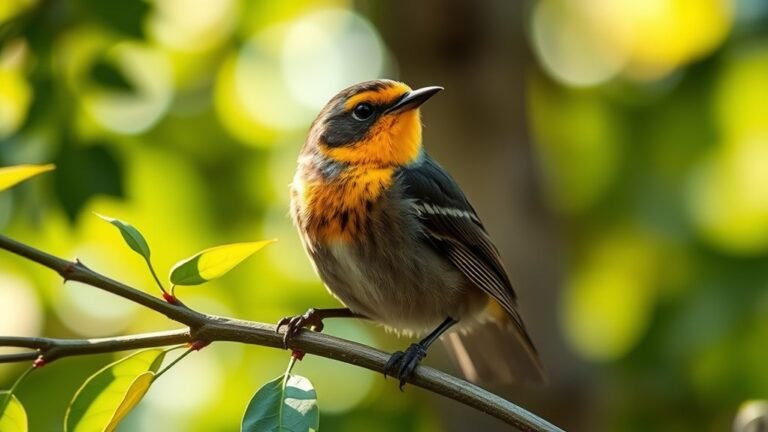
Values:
[(338, 210)]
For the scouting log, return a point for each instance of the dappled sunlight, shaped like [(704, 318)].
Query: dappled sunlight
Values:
[(195, 384), (728, 196), (607, 304), (231, 110), (185, 25), (16, 94), (90, 312), (149, 70), (326, 374), (574, 53), (12, 8), (20, 310), (576, 145), (339, 46), (617, 151), (587, 42), (266, 89)]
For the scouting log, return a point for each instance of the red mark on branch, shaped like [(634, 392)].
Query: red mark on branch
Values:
[(170, 298), (68, 270), (198, 345), (39, 362), (298, 355)]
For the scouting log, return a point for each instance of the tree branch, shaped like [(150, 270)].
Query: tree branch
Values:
[(51, 349), (209, 328)]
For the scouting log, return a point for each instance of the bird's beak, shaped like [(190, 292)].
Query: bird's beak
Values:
[(412, 99)]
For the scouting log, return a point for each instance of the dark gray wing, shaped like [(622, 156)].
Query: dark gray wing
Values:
[(452, 226)]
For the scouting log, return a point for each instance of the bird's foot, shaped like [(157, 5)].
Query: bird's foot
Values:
[(311, 318), (402, 363)]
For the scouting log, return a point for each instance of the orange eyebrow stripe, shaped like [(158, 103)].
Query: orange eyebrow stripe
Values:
[(378, 97)]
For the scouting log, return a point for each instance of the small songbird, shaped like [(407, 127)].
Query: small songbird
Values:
[(393, 238)]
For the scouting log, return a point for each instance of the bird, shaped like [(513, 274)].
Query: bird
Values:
[(396, 241)]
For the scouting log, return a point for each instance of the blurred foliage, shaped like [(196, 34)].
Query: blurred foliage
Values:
[(649, 125), (651, 129)]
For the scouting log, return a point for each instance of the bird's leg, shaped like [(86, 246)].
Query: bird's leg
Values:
[(402, 363), (312, 318)]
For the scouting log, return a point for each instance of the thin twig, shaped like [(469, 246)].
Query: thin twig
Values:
[(53, 349), (209, 328)]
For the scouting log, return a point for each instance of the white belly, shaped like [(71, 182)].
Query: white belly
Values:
[(410, 290)]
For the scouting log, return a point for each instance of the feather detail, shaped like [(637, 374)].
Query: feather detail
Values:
[(452, 226)]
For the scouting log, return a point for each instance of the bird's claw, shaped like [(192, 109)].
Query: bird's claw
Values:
[(293, 324), (402, 363)]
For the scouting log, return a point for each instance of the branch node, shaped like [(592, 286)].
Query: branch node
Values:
[(39, 362), (204, 329), (67, 270), (170, 298), (198, 345)]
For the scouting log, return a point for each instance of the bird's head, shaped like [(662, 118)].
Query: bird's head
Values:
[(372, 123)]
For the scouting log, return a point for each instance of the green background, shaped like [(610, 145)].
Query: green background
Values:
[(617, 151)]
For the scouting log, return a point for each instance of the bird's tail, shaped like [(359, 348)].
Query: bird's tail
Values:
[(495, 352)]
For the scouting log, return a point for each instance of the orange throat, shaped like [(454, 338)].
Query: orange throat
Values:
[(338, 210), (393, 140)]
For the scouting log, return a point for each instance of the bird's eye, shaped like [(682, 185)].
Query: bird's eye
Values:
[(362, 111)]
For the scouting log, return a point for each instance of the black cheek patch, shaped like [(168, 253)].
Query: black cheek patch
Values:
[(342, 129), (345, 130)]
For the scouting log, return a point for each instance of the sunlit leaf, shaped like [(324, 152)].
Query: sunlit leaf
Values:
[(131, 235), (10, 176), (13, 418), (283, 405), (107, 396), (133, 396), (213, 263)]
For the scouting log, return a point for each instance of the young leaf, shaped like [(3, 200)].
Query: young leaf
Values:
[(133, 396), (287, 403), (10, 176), (108, 395), (13, 418), (213, 263), (131, 235)]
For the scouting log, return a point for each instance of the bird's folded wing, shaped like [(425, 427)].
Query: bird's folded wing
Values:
[(453, 227)]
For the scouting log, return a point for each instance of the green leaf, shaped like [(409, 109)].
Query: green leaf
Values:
[(126, 16), (85, 172), (10, 176), (13, 418), (110, 77), (133, 396), (131, 235), (285, 405), (108, 395), (213, 263)]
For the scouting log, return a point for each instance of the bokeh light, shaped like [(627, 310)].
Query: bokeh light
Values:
[(576, 145), (184, 25), (339, 46), (587, 42), (608, 302), (728, 199), (149, 70), (619, 159), (15, 91), (20, 310), (575, 53), (266, 89)]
